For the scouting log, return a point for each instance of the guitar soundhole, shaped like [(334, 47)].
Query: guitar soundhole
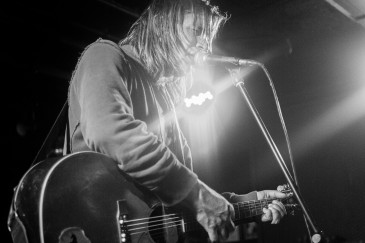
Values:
[(162, 227), (73, 235)]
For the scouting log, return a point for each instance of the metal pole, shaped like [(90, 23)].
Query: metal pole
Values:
[(316, 237)]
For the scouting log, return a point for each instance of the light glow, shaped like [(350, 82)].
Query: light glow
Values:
[(335, 120), (202, 123), (198, 99)]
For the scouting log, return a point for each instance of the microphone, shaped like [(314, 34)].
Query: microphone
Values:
[(203, 57)]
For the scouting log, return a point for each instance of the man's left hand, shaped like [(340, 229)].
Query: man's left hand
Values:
[(275, 210)]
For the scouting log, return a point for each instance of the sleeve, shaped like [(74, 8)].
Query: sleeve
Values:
[(108, 127), (187, 152)]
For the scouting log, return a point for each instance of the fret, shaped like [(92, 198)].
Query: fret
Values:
[(250, 209), (237, 211), (255, 210)]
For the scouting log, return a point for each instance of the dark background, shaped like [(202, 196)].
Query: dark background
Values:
[(317, 61)]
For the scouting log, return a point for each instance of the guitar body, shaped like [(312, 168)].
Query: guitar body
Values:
[(81, 198)]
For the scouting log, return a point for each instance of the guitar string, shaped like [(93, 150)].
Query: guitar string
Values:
[(173, 225), (155, 221), (193, 225), (177, 216), (174, 216), (245, 204), (189, 223), (154, 234), (165, 225), (132, 220), (179, 222)]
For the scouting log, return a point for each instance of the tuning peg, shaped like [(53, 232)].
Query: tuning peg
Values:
[(283, 188), (292, 208)]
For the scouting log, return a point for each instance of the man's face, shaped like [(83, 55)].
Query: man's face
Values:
[(193, 41)]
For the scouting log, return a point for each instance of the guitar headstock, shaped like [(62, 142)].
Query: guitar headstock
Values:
[(285, 188), (289, 201)]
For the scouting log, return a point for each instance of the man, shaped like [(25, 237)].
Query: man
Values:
[(122, 99)]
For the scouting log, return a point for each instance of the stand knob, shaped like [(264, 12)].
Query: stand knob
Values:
[(316, 238)]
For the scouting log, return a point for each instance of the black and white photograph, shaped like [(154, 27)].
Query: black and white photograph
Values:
[(183, 121)]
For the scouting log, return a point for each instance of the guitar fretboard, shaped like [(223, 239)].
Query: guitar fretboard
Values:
[(243, 210), (249, 209)]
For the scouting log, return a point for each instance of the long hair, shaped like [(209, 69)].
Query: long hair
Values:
[(158, 37)]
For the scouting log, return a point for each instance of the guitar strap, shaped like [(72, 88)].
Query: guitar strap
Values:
[(61, 121)]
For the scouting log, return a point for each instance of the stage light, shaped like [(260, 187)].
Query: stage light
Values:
[(198, 99), (201, 112), (201, 95)]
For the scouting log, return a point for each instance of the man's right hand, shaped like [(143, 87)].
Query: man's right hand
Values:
[(212, 211)]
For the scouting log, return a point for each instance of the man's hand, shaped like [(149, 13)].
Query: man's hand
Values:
[(276, 210), (213, 212)]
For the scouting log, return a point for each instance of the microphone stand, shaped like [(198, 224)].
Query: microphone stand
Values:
[(239, 83)]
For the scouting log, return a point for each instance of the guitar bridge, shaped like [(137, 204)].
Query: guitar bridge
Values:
[(122, 218)]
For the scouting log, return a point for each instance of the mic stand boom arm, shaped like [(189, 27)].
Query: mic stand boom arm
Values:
[(316, 237)]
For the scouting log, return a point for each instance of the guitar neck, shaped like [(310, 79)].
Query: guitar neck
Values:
[(243, 211), (249, 209)]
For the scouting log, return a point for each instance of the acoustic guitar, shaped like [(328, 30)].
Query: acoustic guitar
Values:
[(84, 197)]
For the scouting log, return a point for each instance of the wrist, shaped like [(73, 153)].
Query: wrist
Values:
[(192, 199)]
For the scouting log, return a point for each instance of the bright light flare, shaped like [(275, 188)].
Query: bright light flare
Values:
[(350, 109), (204, 126), (198, 99), (330, 123)]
